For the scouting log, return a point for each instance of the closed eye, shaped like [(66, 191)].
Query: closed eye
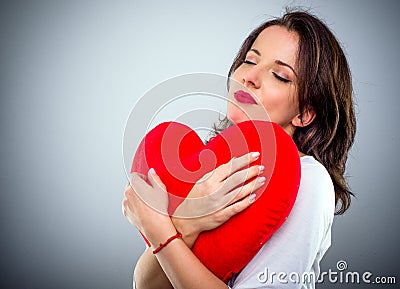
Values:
[(280, 78), (248, 62)]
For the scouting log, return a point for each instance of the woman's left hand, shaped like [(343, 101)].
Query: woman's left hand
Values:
[(148, 212), (157, 226)]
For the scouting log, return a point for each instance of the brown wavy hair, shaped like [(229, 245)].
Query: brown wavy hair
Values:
[(324, 85)]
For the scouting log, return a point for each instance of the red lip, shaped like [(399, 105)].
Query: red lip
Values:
[(244, 97)]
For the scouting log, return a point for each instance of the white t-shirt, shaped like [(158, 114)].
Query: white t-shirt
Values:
[(294, 252)]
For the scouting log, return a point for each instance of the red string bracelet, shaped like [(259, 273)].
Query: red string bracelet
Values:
[(159, 248)]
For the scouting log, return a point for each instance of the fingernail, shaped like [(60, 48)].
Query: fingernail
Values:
[(252, 198), (261, 168), (261, 179), (152, 171), (255, 155)]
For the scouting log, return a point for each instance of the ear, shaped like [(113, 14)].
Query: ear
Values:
[(302, 120)]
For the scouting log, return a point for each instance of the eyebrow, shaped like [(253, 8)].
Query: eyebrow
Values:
[(279, 62), (255, 51)]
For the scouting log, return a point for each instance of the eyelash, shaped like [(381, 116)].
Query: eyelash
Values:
[(248, 62), (280, 78)]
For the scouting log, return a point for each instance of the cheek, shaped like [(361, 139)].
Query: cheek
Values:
[(280, 106), (238, 76)]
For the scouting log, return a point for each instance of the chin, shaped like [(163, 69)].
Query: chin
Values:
[(236, 119), (236, 116)]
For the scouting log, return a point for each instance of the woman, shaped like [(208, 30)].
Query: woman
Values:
[(299, 75)]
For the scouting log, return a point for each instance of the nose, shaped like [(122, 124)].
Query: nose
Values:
[(251, 77)]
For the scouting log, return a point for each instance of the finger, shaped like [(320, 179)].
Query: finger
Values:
[(240, 177), (244, 161), (155, 180), (154, 195), (125, 204), (129, 195), (236, 208), (243, 175), (138, 182), (227, 169), (245, 190), (128, 190), (142, 176), (123, 208)]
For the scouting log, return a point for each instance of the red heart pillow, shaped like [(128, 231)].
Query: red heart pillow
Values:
[(180, 158)]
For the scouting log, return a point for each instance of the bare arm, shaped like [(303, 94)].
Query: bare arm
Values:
[(178, 265), (149, 274), (171, 266), (184, 269)]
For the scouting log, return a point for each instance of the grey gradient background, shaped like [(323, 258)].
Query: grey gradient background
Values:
[(71, 72)]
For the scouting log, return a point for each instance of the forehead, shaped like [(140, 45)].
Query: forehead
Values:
[(278, 43)]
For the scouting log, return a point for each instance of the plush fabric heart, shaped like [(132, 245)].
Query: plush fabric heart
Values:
[(180, 158)]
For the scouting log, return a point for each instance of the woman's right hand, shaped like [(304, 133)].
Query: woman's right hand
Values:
[(219, 195)]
